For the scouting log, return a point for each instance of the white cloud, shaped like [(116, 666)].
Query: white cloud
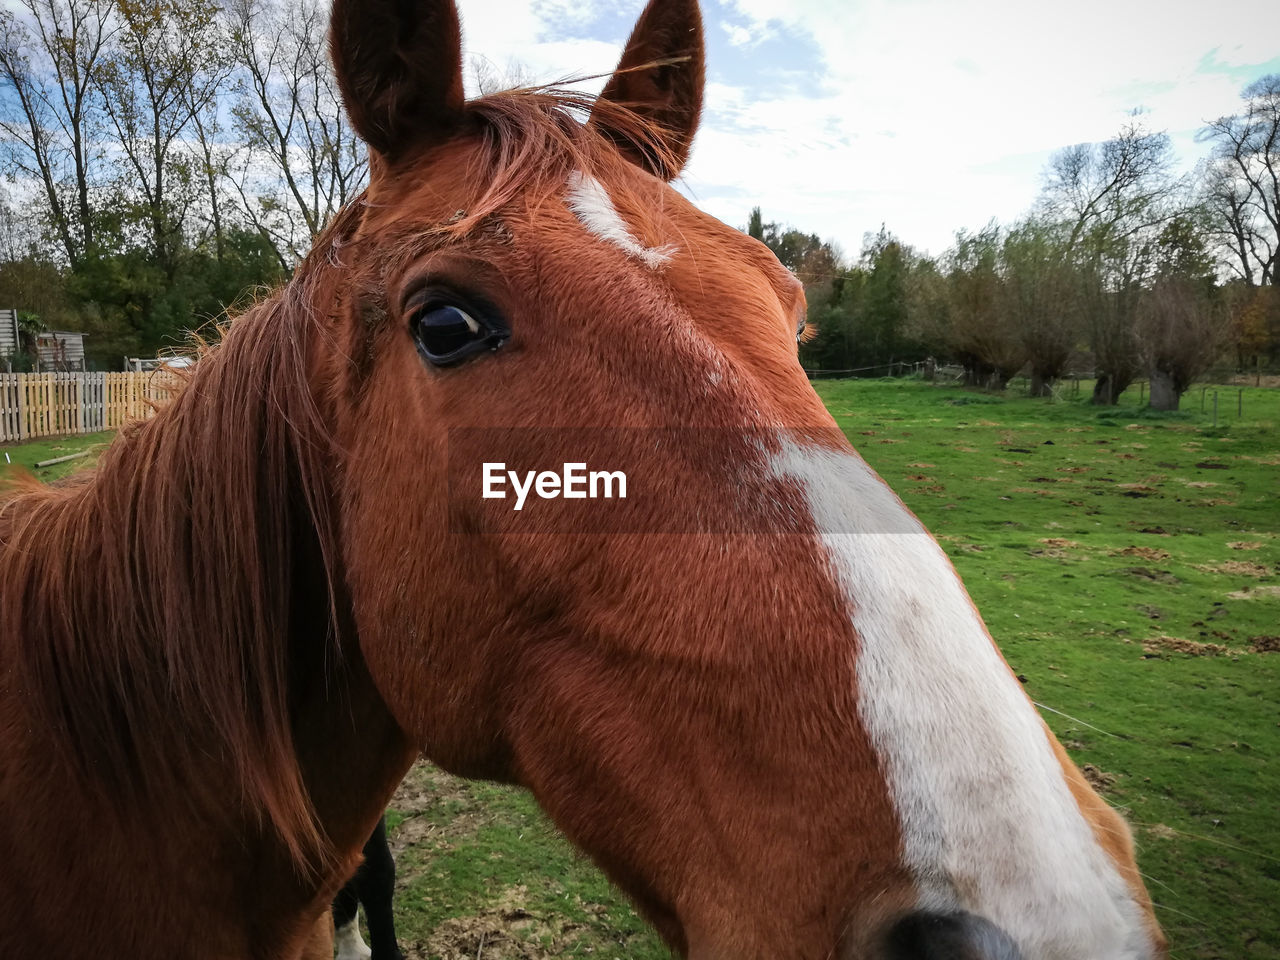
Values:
[(928, 98)]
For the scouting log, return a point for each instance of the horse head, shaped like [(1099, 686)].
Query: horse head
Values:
[(756, 692)]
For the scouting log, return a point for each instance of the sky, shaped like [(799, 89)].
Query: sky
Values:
[(926, 116)]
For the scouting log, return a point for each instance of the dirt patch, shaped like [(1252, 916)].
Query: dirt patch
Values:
[(1155, 576), (1245, 545), (1059, 542), (1074, 469), (919, 477), (1211, 465), (427, 790), (505, 931), (922, 466), (1100, 780), (1163, 832), (1158, 646), (1238, 568), (1264, 644), (1201, 484), (1255, 593), (1158, 531), (1145, 553)]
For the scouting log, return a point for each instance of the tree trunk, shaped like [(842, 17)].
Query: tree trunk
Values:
[(1164, 391), (1041, 385), (1109, 386)]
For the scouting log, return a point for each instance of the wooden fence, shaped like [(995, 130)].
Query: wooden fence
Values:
[(52, 404)]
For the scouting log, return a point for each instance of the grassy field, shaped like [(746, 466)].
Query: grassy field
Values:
[(1127, 562)]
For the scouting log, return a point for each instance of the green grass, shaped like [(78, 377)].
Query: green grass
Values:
[(1128, 564), (1088, 538), (27, 455)]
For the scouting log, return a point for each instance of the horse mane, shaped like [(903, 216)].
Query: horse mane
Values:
[(147, 608), (150, 608)]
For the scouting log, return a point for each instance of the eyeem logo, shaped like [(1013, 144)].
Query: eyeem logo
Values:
[(572, 483)]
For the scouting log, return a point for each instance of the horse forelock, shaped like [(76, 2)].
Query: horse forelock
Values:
[(527, 142)]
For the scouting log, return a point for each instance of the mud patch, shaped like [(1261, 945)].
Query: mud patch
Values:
[(1145, 553), (1155, 576), (1237, 568), (1245, 545), (1100, 780), (505, 931), (1162, 646), (1255, 593), (422, 797), (1264, 644)]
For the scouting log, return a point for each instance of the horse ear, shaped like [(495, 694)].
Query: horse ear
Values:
[(399, 66), (660, 77)]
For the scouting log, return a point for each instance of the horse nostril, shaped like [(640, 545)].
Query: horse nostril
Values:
[(950, 936)]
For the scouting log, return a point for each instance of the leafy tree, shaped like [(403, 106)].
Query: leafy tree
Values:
[(1180, 320), (1040, 298), (982, 332), (163, 67)]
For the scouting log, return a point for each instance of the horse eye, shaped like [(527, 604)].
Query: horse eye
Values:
[(447, 334)]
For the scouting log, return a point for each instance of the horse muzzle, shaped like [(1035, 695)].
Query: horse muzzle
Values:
[(949, 936)]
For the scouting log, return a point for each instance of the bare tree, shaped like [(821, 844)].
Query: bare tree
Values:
[(1242, 182), (162, 69), (211, 160), (50, 59), (1112, 198), (302, 161)]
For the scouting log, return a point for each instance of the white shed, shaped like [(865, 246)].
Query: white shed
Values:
[(8, 334), (60, 350)]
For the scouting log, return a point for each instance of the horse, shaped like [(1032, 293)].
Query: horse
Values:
[(373, 888), (757, 695)]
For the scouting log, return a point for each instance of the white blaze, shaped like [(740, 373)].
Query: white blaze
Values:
[(592, 205), (989, 824)]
